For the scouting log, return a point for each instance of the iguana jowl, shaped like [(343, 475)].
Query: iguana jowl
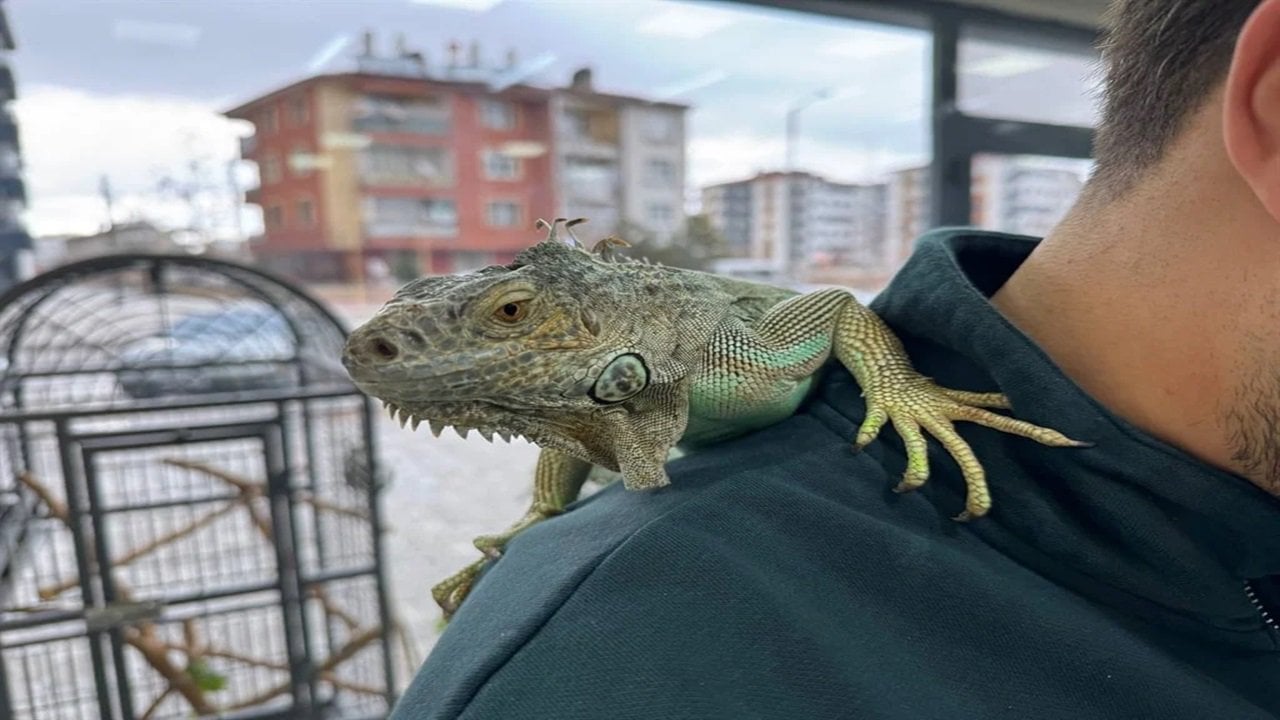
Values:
[(607, 362)]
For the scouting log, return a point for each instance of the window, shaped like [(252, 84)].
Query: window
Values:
[(301, 161), (660, 173), (503, 213), (500, 166), (661, 126), (270, 120), (468, 261), (410, 217), (661, 215), (306, 213), (299, 111), (405, 165), (497, 114), (272, 172), (274, 217), (577, 124)]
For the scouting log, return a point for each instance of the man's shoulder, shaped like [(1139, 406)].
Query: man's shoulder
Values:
[(784, 526)]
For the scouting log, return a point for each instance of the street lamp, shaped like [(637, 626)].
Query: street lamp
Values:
[(793, 130), (793, 120)]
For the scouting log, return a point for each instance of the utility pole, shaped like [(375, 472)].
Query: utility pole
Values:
[(793, 132), (104, 188)]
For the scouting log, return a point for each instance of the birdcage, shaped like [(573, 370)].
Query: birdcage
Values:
[(189, 523)]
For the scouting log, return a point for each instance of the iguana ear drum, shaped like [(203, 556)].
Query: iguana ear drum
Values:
[(624, 377)]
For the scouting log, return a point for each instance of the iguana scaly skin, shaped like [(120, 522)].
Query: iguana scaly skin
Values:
[(603, 361)]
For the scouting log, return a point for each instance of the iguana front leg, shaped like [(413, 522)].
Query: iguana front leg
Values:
[(791, 340), (558, 480)]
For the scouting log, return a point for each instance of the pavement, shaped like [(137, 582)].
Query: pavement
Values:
[(442, 493)]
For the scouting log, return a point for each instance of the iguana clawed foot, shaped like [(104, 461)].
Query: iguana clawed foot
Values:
[(451, 591), (493, 545), (558, 479), (917, 405)]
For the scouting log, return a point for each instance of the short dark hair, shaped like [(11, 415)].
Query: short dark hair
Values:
[(1162, 59)]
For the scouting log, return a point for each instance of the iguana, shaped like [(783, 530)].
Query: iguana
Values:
[(607, 361)]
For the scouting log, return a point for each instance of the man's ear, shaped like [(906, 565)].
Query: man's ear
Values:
[(1251, 107)]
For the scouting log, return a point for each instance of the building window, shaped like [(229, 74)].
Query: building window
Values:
[(497, 114), (464, 261), (661, 126), (660, 173), (306, 213), (301, 161), (270, 120), (299, 111), (661, 215), (272, 172), (500, 166), (577, 124), (274, 217), (503, 213), (409, 217)]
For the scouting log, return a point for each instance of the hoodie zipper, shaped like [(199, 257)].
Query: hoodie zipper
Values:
[(1267, 620)]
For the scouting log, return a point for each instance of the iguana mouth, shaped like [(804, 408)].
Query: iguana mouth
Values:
[(492, 421), (442, 416)]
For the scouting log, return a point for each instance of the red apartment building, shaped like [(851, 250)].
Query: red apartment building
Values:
[(425, 175)]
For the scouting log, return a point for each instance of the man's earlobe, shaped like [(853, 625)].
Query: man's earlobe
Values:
[(1251, 105)]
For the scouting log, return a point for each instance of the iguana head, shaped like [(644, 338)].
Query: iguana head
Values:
[(570, 349)]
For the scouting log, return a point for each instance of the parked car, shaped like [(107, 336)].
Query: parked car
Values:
[(233, 349)]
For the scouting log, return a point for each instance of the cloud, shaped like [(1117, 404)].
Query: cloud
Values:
[(472, 5), (687, 22), (175, 35), (72, 138), (859, 44)]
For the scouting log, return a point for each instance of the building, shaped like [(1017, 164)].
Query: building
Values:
[(619, 160), (16, 253), (421, 170), (1025, 195), (799, 220), (909, 198), (414, 172), (1020, 194)]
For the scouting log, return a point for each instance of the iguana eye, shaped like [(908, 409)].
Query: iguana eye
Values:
[(512, 312)]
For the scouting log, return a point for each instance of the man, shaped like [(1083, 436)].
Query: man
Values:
[(779, 576)]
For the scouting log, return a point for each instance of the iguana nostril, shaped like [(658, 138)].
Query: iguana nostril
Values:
[(382, 349)]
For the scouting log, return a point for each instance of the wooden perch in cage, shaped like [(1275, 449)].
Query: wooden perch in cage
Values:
[(50, 592), (193, 681), (348, 650), (251, 487)]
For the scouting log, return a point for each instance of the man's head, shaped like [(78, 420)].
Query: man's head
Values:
[(1160, 292), (1169, 62)]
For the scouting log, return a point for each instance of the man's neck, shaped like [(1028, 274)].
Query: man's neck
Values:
[(1149, 304)]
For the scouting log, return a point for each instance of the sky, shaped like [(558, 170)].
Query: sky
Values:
[(133, 89)]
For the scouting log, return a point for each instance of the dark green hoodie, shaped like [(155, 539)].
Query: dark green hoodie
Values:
[(779, 576)]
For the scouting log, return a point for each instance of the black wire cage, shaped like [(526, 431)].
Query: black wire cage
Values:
[(189, 518)]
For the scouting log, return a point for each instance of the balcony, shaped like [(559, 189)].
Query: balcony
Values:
[(586, 147), (8, 129), (389, 114), (405, 167), (8, 90), (396, 217), (412, 126), (13, 189)]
